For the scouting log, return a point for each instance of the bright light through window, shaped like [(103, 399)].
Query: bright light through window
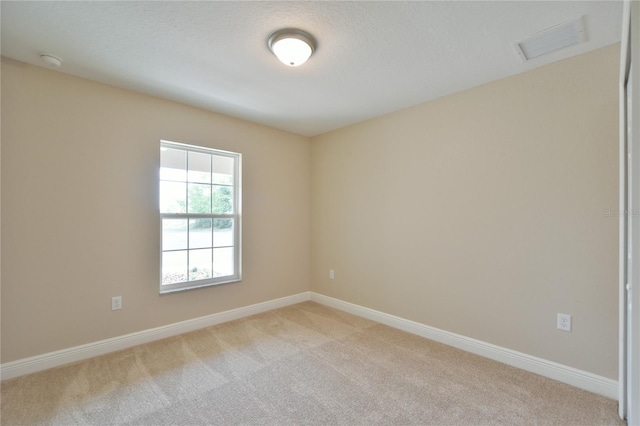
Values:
[(200, 217)]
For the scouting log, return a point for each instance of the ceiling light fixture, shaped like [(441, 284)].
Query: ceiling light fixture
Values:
[(292, 47)]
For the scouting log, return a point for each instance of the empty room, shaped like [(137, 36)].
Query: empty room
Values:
[(319, 212)]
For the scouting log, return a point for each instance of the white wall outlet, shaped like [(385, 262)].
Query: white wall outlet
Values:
[(116, 303), (564, 322), (332, 274)]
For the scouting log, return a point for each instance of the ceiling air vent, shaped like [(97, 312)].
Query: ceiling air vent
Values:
[(552, 39)]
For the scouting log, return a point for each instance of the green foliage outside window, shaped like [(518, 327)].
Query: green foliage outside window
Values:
[(200, 202)]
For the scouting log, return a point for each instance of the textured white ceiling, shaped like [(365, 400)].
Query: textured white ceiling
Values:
[(372, 57)]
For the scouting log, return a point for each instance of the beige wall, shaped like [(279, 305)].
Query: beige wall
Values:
[(482, 213), (80, 218)]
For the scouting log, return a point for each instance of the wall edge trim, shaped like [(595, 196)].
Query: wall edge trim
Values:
[(562, 373), (569, 375), (48, 360)]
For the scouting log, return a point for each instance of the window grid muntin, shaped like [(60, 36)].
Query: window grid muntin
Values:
[(234, 216)]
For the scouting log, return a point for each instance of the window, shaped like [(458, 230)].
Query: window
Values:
[(200, 217)]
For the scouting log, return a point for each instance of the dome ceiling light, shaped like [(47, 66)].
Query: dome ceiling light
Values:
[(292, 46)]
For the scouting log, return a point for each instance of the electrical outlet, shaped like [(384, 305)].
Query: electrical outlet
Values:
[(332, 274), (116, 303), (564, 322)]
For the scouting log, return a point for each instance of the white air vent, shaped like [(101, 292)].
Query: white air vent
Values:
[(552, 39)]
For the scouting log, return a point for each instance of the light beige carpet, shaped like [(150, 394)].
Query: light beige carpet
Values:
[(303, 364)]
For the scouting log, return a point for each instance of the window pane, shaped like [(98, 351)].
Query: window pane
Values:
[(199, 264), (174, 234), (222, 262), (222, 232), (222, 170), (174, 267), (199, 217), (173, 164), (199, 167), (173, 197), (199, 233), (222, 199), (199, 198)]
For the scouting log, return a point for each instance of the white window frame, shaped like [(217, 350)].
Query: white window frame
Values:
[(236, 216)]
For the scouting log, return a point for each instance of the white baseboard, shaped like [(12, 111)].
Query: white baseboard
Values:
[(572, 376), (36, 363)]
